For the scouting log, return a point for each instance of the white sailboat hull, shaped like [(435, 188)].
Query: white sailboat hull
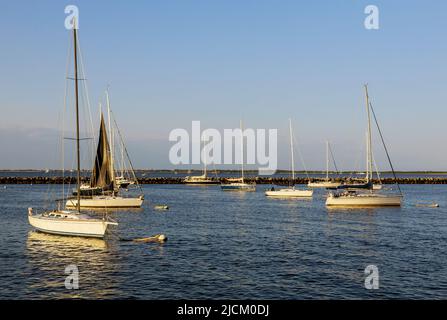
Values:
[(106, 202), (324, 184), (364, 200), (238, 187), (201, 182), (289, 192), (203, 179), (83, 228)]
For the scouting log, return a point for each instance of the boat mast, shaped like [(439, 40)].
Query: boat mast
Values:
[(327, 160), (112, 169), (122, 159), (291, 151), (368, 144), (367, 157), (78, 149), (242, 151), (204, 160)]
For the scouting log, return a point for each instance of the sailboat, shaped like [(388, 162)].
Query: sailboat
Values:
[(103, 177), (239, 184), (327, 182), (202, 179), (126, 177), (291, 191), (71, 222), (121, 181), (368, 197)]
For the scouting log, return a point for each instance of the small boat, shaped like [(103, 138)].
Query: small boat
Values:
[(428, 205), (239, 184), (326, 183), (87, 190), (368, 196), (67, 222), (160, 238), (290, 191), (122, 182)]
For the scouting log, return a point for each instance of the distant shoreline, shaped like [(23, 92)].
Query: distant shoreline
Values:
[(280, 171)]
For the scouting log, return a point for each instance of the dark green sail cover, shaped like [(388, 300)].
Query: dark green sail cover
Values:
[(103, 174)]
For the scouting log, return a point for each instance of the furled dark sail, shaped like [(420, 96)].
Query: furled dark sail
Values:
[(103, 175), (366, 185)]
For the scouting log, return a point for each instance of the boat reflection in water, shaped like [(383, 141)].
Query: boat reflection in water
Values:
[(49, 255)]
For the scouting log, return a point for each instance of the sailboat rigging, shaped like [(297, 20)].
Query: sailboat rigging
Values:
[(67, 222), (291, 191), (353, 196), (327, 182), (203, 179), (103, 174), (239, 184)]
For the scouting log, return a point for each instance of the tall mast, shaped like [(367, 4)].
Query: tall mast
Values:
[(367, 156), (368, 142), (291, 150), (204, 160), (112, 169), (327, 160), (122, 158), (242, 151), (78, 149)]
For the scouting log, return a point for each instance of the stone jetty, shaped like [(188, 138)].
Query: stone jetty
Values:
[(179, 180)]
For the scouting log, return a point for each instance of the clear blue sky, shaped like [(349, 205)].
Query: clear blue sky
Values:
[(171, 62)]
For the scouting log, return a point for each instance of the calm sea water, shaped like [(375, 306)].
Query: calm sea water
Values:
[(232, 245)]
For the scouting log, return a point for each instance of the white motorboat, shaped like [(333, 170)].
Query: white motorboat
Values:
[(290, 191)]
